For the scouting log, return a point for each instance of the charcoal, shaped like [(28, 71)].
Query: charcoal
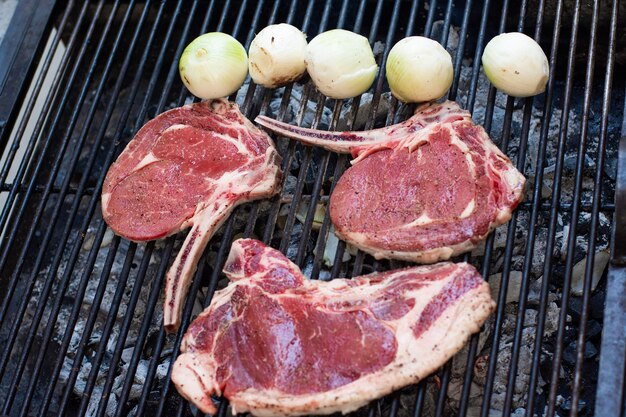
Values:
[(575, 308), (567, 405), (513, 287), (597, 304), (593, 329), (569, 354), (600, 261)]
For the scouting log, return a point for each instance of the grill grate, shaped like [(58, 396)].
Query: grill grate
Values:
[(80, 316)]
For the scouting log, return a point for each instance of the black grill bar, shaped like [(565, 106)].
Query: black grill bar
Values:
[(57, 305), (88, 328), (227, 236), (51, 210), (15, 327), (96, 304), (471, 356), (555, 194), (528, 102), (19, 134), (577, 190), (130, 256), (606, 103)]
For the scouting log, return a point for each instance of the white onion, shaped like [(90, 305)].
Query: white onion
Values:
[(516, 64), (341, 63), (213, 65), (276, 55), (418, 69)]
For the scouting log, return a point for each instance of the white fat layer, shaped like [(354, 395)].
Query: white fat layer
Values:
[(429, 256), (147, 160), (105, 201), (423, 219), (469, 209), (174, 127), (238, 141), (513, 178)]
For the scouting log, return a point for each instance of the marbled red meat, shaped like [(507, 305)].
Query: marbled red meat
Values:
[(275, 343), (422, 190), (188, 167)]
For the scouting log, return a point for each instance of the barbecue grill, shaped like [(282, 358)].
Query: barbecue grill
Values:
[(80, 308)]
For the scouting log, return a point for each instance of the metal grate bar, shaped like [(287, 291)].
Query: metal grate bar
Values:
[(85, 338), (473, 346), (504, 145), (223, 250), (530, 245), (142, 272), (555, 198), (65, 282), (57, 304), (125, 327), (15, 276), (6, 208), (97, 242), (556, 364), (136, 82), (493, 356), (321, 173), (194, 289), (606, 97)]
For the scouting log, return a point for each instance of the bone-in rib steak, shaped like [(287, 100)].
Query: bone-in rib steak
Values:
[(277, 344), (189, 166), (422, 190)]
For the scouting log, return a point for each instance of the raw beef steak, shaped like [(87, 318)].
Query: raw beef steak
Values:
[(188, 167), (277, 344), (422, 190)]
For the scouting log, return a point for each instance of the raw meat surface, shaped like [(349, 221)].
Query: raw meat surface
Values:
[(277, 344), (188, 167), (423, 190)]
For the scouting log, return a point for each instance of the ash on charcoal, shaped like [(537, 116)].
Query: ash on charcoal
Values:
[(293, 107), (294, 240), (513, 287), (600, 261), (525, 357), (364, 112), (534, 293), (477, 412), (84, 368), (567, 405), (290, 185), (569, 354), (504, 358)]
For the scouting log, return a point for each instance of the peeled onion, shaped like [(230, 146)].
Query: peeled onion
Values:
[(213, 65), (516, 64), (419, 69), (341, 63), (276, 55)]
